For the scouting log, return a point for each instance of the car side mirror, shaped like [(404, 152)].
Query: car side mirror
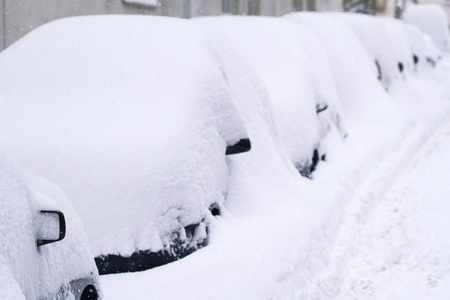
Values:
[(243, 145), (320, 108), (51, 227)]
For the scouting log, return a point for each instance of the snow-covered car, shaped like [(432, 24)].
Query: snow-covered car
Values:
[(293, 67), (132, 117), (44, 252), (425, 53), (376, 36), (355, 74), (432, 20), (398, 35)]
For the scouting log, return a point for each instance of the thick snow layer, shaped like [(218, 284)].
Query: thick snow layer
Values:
[(291, 249), (432, 20), (9, 287), (67, 260), (37, 273), (420, 47), (247, 174), (436, 54), (355, 74), (287, 237), (293, 67), (18, 250), (378, 42), (397, 34), (130, 116)]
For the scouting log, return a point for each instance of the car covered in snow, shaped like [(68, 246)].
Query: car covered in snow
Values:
[(386, 42), (355, 74), (132, 117), (44, 252), (398, 35), (425, 53), (294, 69), (431, 19)]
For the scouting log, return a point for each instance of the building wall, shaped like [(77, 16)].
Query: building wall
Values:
[(258, 7), (2, 36), (238, 7), (276, 7), (329, 5), (205, 8)]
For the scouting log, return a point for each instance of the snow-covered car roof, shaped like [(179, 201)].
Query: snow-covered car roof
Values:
[(432, 20), (26, 271), (293, 67), (131, 116)]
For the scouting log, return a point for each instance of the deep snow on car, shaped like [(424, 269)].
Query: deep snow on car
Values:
[(355, 74), (397, 34), (282, 227), (425, 53), (386, 52), (432, 20), (132, 117), (44, 252), (297, 76)]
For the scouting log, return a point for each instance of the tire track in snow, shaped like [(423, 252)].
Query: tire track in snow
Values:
[(326, 284), (404, 251)]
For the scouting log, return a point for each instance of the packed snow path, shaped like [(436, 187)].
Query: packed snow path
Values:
[(404, 244)]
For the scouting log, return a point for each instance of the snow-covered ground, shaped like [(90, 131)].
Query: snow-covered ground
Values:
[(403, 245), (370, 225)]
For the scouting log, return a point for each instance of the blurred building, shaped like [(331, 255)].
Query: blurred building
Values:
[(18, 17)]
